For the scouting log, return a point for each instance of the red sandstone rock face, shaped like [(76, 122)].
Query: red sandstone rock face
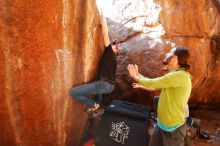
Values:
[(148, 29), (46, 48)]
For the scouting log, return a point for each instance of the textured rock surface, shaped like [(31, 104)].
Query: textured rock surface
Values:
[(148, 28), (46, 47)]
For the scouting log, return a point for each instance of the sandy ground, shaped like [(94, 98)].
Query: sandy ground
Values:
[(210, 123), (211, 127)]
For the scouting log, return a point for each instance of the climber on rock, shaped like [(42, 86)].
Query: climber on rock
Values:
[(105, 79)]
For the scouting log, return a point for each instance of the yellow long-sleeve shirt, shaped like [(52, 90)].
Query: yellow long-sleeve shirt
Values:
[(176, 88)]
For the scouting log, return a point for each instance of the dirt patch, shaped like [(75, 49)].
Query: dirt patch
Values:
[(210, 123)]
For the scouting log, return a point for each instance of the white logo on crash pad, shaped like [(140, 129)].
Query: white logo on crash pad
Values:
[(119, 132)]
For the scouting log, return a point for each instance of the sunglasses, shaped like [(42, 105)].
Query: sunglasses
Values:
[(167, 61)]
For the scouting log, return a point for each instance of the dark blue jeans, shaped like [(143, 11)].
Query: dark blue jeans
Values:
[(82, 93)]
